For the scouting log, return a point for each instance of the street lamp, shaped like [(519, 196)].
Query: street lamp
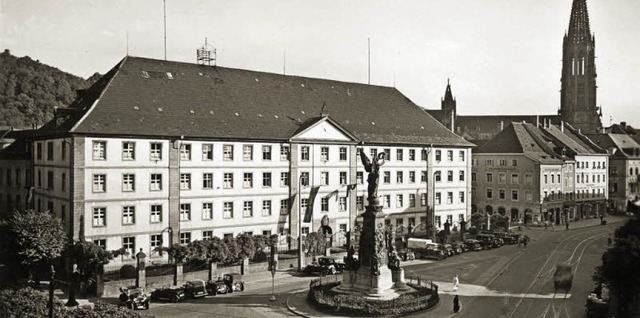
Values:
[(300, 253), (433, 213)]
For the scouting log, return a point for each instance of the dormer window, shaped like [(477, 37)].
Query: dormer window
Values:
[(145, 74)]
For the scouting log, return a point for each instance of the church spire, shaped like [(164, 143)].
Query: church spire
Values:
[(579, 30), (448, 96)]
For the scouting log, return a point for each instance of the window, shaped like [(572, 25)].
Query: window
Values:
[(438, 176), (128, 214), (207, 235), (399, 177), (412, 155), (304, 204), (488, 162), (449, 155), (473, 177), (342, 203), (514, 162), (284, 153), (185, 151), (247, 180), (387, 154), (514, 195), (399, 222), (185, 181), (553, 178), (449, 197), (305, 230), (156, 213), (155, 182), (438, 198), (324, 153), (324, 178), (99, 216), (207, 152), (156, 151), (63, 182), (128, 182), (515, 179), (343, 153), (461, 196), (227, 210), (423, 176), (207, 210), (387, 177), (129, 245), (399, 154), (304, 153), (489, 193), (502, 178), (227, 152), (185, 237), (438, 155), (502, 194), (50, 151), (155, 242), (39, 178), (266, 179), (99, 150), (359, 177), (423, 199), (374, 153), (185, 211), (284, 206), (304, 179), (449, 176), (207, 181), (503, 162), (461, 175), (528, 179), (412, 177), (386, 201), (284, 179), (461, 155), (545, 179), (49, 180), (412, 200), (266, 153), (247, 152), (227, 180), (266, 207), (99, 182), (343, 227), (360, 202), (39, 150), (102, 243), (128, 150), (399, 201), (343, 177), (247, 209)]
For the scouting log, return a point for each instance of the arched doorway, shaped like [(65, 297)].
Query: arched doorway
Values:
[(528, 216), (489, 209), (515, 214), (502, 211)]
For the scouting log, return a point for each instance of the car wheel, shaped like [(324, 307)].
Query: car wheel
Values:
[(146, 305), (241, 286), (230, 290), (175, 299)]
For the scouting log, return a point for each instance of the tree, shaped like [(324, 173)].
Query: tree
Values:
[(499, 221), (315, 243), (619, 269), (217, 249), (232, 248), (478, 219), (35, 237), (246, 247), (177, 252)]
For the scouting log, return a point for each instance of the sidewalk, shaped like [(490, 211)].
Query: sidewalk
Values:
[(611, 219)]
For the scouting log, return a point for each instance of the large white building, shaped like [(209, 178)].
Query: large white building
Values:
[(160, 152)]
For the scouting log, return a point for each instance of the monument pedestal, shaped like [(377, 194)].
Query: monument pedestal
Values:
[(398, 279)]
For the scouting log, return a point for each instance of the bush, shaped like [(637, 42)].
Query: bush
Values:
[(423, 298), (128, 271)]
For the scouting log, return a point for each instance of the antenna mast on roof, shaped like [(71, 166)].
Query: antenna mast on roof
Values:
[(206, 54)]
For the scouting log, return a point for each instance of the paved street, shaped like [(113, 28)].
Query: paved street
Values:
[(510, 281)]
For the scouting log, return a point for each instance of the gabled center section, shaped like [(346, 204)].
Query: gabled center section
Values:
[(322, 129)]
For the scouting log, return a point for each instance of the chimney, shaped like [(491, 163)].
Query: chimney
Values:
[(562, 126), (453, 122), (623, 123), (537, 121), (501, 125)]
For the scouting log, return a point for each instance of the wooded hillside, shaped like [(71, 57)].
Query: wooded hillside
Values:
[(29, 90)]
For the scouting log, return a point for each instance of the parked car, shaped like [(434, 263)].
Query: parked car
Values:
[(473, 245), (458, 248), (325, 265), (488, 241), (134, 299), (195, 288), (507, 238), (406, 254), (432, 250), (449, 249), (563, 277), (169, 294), (217, 286)]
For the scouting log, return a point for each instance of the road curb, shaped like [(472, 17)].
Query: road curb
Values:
[(294, 309)]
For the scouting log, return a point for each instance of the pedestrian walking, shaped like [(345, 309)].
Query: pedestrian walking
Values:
[(566, 225), (609, 240), (525, 240), (456, 282), (456, 304)]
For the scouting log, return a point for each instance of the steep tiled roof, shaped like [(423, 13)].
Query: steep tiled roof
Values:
[(624, 145), (506, 141), (521, 138), (567, 138), (146, 97)]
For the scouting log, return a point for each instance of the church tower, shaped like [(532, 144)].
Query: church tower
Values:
[(448, 106), (578, 94)]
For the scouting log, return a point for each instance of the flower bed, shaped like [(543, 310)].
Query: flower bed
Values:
[(328, 300)]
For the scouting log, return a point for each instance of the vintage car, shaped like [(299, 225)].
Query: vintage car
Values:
[(507, 238), (406, 254), (168, 294), (432, 251), (325, 265), (227, 283), (563, 277), (134, 299), (195, 288), (473, 245), (450, 250), (459, 247), (488, 241)]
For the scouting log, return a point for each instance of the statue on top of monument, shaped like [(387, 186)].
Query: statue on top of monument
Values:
[(373, 168)]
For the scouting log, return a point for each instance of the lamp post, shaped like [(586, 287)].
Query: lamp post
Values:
[(300, 253), (427, 151), (433, 214), (51, 286)]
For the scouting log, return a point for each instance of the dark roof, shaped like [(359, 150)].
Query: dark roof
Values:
[(521, 138), (494, 121), (619, 145), (138, 98), (17, 150)]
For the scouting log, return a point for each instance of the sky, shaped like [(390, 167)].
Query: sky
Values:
[(501, 56)]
